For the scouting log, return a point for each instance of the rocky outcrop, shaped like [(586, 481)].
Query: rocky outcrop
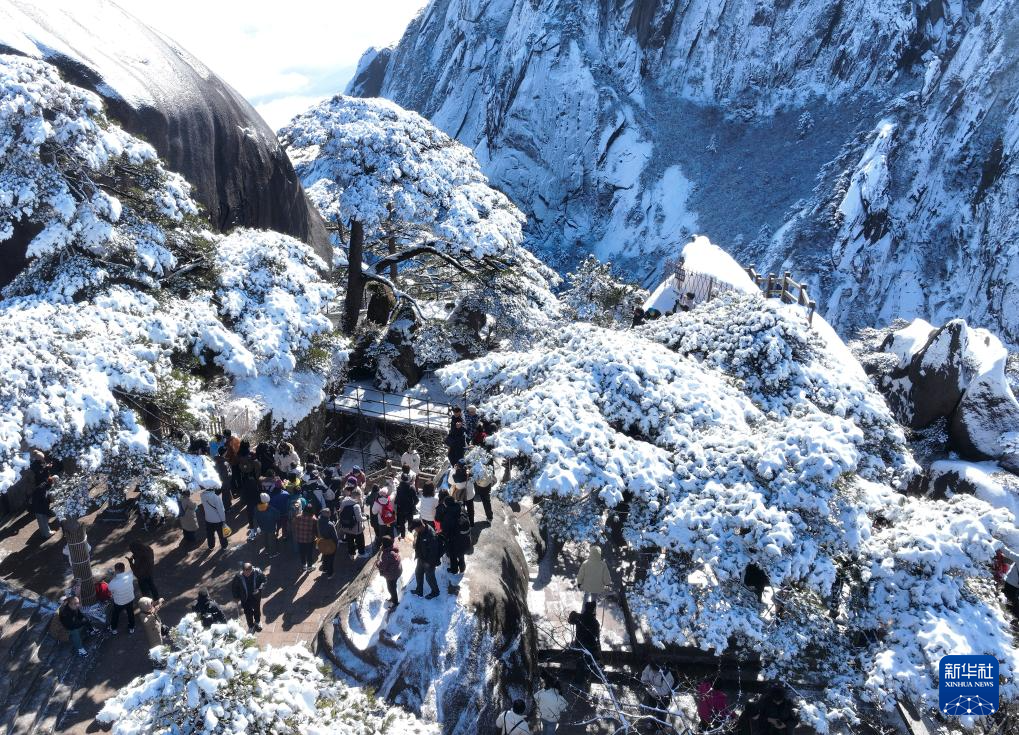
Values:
[(458, 659), (200, 126), (954, 374), (873, 144)]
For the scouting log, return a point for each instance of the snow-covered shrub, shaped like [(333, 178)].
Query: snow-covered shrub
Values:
[(734, 438), (594, 295), (129, 303), (217, 681)]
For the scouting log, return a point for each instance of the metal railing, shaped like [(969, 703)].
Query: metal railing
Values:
[(785, 289), (392, 408)]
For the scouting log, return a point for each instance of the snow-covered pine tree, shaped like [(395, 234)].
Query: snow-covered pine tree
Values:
[(217, 681), (593, 294), (405, 186), (735, 439), (129, 305)]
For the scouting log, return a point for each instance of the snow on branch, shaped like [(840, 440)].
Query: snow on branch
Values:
[(740, 450), (217, 681)]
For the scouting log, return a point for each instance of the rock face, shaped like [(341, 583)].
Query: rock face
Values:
[(459, 659), (872, 144), (957, 374), (157, 91)]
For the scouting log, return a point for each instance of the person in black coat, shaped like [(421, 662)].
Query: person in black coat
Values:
[(406, 503), (456, 441), (207, 610), (587, 638), (40, 504), (247, 588), (456, 531), (427, 555), (774, 714), (74, 621)]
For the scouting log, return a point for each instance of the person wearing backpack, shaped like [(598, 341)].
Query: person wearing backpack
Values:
[(551, 705), (328, 541), (385, 512), (513, 721), (390, 568), (427, 554), (351, 523), (463, 488), (406, 504)]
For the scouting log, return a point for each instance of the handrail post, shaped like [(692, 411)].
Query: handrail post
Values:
[(771, 286), (785, 286)]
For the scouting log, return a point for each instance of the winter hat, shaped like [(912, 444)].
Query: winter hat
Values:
[(264, 497), (355, 468), (37, 455), (351, 481), (461, 462), (145, 603), (384, 491)]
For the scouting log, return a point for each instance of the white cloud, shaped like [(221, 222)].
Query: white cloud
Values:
[(280, 55)]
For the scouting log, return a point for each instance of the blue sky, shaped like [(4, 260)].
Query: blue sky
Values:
[(282, 56)]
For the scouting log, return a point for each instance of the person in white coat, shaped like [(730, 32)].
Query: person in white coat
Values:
[(412, 459), (215, 518), (593, 578), (122, 587), (550, 704), (513, 721)]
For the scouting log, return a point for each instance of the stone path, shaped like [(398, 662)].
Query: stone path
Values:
[(296, 602)]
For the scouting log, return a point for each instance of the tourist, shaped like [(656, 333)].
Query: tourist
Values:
[(593, 579), (373, 519), (247, 588), (281, 502), (357, 475), (471, 420), (74, 622), (385, 512), (638, 317), (390, 568), (286, 458), (215, 518), (550, 705), (246, 482), (773, 714), (266, 460), (406, 504), (122, 589), (231, 446), (411, 459), (455, 414), (267, 521), (143, 564), (328, 541), (463, 488), (427, 555), (456, 441), (188, 518), (40, 505), (484, 479), (659, 684), (351, 523), (455, 528), (207, 610), (712, 706), (513, 721), (225, 473), (428, 504), (151, 624), (304, 530), (587, 638), (215, 444)]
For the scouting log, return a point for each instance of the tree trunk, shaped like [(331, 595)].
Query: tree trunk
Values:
[(393, 270), (81, 562), (355, 279)]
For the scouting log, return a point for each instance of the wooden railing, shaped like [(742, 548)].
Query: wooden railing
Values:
[(784, 288)]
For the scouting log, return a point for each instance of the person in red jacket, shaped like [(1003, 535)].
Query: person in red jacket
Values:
[(390, 567)]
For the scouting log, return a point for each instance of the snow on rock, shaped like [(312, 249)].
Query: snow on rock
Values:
[(955, 372), (219, 681), (878, 137), (734, 435), (128, 299), (704, 270)]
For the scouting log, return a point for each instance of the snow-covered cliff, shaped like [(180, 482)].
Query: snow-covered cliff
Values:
[(865, 145)]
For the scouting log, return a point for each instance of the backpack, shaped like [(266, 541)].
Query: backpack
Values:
[(406, 494), (387, 514), (348, 518), (433, 550)]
